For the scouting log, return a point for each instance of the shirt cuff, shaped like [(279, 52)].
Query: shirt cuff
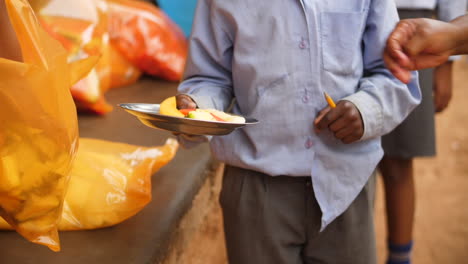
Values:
[(371, 113)]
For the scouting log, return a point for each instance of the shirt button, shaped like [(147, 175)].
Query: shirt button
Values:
[(305, 99), (308, 144), (302, 44)]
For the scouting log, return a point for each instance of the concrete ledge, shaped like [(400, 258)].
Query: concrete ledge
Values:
[(199, 238)]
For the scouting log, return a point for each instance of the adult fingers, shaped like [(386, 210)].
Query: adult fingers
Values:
[(396, 68)]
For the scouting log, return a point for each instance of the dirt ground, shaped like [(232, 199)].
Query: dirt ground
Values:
[(441, 224)]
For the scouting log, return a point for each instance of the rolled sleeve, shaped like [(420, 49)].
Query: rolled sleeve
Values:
[(371, 113)]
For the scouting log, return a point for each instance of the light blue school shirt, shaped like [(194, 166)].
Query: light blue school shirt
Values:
[(276, 58), (446, 9)]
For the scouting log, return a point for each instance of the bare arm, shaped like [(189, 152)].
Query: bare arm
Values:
[(424, 43), (462, 37)]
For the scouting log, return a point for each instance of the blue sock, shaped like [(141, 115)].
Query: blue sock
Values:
[(399, 254)]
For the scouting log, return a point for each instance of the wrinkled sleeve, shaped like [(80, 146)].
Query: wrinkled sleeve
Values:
[(207, 78), (448, 10), (383, 101)]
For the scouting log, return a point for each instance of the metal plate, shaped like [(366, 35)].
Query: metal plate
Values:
[(149, 115)]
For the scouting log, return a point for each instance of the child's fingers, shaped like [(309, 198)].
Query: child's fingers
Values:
[(339, 124), (329, 117), (185, 102), (350, 139), (321, 114), (344, 132)]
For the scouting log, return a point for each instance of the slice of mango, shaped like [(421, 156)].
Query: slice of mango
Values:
[(169, 107)]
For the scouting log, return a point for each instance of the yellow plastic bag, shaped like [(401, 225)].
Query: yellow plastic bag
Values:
[(38, 129), (110, 182)]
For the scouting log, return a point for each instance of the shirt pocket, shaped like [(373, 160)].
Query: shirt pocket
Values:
[(341, 37)]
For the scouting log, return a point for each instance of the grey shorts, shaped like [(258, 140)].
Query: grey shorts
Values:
[(415, 137), (276, 220)]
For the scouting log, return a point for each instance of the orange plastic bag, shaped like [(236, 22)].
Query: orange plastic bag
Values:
[(121, 72), (110, 182), (38, 129), (147, 38), (81, 27)]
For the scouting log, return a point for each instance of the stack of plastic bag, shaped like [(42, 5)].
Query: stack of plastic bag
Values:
[(38, 129), (129, 36), (107, 182), (81, 27), (148, 38)]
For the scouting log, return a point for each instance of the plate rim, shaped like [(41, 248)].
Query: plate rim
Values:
[(154, 115)]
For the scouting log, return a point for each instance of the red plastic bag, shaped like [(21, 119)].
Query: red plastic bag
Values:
[(147, 38)]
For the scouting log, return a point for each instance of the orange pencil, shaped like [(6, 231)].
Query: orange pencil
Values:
[(329, 100)]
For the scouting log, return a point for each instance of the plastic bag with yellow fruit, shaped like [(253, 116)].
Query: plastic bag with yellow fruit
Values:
[(82, 28), (121, 72), (110, 182), (38, 129)]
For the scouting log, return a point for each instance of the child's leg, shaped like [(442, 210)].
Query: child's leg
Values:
[(264, 217), (399, 197), (350, 238), (414, 137)]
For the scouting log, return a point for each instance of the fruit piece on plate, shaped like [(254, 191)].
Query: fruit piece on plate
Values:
[(201, 115), (217, 118), (185, 112), (215, 115), (236, 119), (169, 107), (222, 116)]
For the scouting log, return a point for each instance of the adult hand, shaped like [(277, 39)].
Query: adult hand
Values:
[(442, 86), (419, 43), (344, 121)]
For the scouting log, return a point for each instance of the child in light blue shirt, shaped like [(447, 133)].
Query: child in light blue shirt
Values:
[(277, 58)]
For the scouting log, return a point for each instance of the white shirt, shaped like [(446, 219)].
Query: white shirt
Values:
[(447, 9)]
